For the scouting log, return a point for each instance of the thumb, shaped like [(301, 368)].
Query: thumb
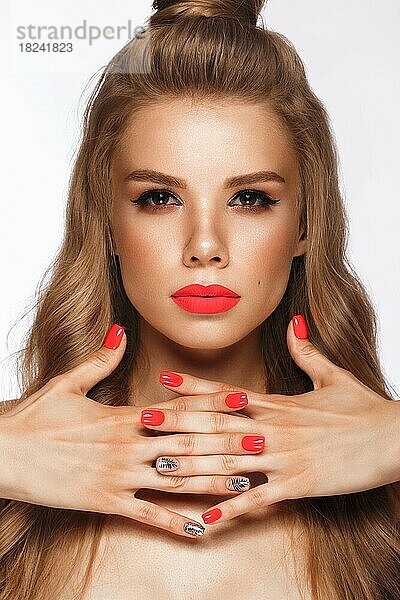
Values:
[(101, 363), (317, 366)]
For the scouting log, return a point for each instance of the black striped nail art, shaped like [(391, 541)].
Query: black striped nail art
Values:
[(238, 484), (165, 463), (194, 528)]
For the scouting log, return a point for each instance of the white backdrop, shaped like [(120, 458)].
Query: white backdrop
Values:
[(351, 53)]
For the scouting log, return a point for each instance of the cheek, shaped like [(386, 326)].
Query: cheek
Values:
[(144, 259), (268, 268), (269, 252)]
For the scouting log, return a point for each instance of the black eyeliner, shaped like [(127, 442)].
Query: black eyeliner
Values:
[(267, 201)]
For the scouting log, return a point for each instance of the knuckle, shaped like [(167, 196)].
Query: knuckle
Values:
[(230, 443), (309, 350), (180, 404), (215, 400), (177, 481), (187, 444), (172, 419), (147, 512), (257, 497), (229, 463), (116, 418), (214, 484), (217, 422), (100, 361)]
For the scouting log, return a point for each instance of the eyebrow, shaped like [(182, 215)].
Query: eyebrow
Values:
[(168, 180)]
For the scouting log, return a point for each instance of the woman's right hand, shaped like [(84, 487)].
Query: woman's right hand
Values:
[(64, 450)]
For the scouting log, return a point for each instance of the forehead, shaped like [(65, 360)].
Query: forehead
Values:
[(231, 133)]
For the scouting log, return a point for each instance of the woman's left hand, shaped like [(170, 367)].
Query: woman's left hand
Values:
[(339, 438)]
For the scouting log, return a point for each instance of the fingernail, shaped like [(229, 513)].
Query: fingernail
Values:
[(253, 442), (152, 417), (169, 378), (237, 400), (194, 528), (300, 327), (211, 515), (238, 484), (114, 336), (165, 463)]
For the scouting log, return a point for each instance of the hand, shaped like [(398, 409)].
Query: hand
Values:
[(333, 440), (62, 449)]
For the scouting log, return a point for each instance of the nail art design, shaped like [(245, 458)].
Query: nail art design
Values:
[(238, 484), (165, 463), (194, 528)]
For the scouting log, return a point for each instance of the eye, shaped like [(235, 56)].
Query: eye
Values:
[(160, 198), (250, 197)]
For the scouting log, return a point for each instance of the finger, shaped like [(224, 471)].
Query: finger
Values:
[(158, 516), (184, 383), (222, 401), (258, 497), (214, 464), (200, 422), (320, 369), (98, 365), (201, 444), (216, 401), (217, 484)]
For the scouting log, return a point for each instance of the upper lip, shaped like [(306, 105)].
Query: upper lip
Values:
[(195, 289)]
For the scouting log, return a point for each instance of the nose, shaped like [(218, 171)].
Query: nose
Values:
[(205, 247)]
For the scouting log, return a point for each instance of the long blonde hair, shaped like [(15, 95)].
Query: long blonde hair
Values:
[(205, 49)]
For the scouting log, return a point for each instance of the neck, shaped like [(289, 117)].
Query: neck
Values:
[(240, 364)]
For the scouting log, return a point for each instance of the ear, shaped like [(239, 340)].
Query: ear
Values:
[(301, 246)]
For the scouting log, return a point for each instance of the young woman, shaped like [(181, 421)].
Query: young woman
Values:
[(205, 220)]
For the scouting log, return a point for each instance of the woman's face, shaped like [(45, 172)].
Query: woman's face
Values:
[(201, 229)]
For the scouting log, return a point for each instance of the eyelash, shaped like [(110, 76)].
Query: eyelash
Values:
[(141, 202)]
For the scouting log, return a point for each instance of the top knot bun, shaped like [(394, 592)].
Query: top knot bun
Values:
[(170, 10)]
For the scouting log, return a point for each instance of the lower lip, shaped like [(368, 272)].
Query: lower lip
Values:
[(197, 304)]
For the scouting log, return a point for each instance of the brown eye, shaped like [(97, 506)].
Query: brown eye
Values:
[(250, 197), (155, 200), (160, 198)]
